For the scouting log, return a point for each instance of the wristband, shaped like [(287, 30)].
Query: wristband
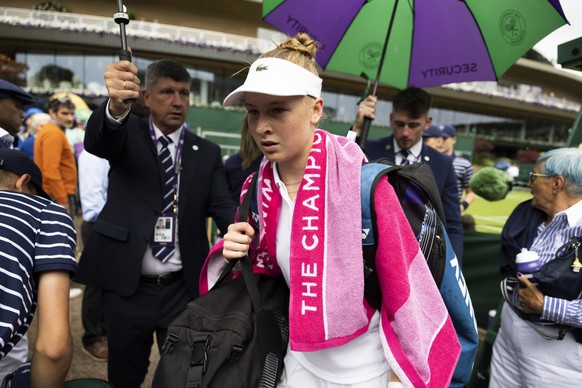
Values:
[(395, 384), (465, 204)]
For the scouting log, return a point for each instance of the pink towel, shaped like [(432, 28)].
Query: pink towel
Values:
[(326, 249)]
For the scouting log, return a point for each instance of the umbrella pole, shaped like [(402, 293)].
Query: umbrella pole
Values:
[(122, 19), (363, 138)]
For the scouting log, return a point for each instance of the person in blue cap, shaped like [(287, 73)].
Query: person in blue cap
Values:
[(28, 133), (12, 101), (28, 115), (432, 137)]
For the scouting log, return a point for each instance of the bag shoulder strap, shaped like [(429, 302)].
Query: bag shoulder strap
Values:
[(243, 211), (370, 175), (247, 269)]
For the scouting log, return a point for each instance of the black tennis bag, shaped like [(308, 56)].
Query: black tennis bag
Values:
[(236, 335), (221, 341)]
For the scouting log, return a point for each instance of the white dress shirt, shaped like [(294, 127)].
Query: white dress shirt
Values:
[(93, 182)]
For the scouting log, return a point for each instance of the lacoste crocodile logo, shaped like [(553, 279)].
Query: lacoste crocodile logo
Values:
[(261, 68)]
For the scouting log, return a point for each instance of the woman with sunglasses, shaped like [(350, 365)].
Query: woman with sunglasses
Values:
[(552, 218)]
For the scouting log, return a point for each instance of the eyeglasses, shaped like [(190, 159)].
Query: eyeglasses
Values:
[(533, 176)]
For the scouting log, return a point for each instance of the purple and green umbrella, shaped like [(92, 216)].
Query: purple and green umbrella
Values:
[(418, 43), (431, 42)]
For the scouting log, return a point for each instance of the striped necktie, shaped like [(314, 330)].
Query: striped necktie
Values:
[(168, 176), (404, 154)]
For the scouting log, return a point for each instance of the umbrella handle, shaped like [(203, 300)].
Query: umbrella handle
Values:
[(363, 138), (124, 55), (122, 19)]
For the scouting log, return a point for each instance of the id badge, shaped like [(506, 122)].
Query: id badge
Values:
[(164, 231)]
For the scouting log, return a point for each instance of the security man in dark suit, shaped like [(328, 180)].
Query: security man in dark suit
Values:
[(409, 118), (150, 240)]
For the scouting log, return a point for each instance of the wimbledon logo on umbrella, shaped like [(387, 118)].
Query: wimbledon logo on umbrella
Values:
[(512, 26), (370, 55)]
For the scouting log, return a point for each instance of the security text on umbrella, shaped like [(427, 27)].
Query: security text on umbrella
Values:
[(448, 70)]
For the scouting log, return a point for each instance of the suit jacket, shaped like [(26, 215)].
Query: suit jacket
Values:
[(446, 180), (113, 256)]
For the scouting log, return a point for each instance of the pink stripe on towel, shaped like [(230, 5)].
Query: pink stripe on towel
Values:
[(421, 341)]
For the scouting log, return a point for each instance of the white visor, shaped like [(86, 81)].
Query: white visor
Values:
[(277, 77)]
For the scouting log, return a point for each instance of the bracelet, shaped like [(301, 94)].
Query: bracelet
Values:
[(465, 204)]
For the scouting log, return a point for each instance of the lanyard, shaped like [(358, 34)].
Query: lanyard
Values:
[(177, 159)]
